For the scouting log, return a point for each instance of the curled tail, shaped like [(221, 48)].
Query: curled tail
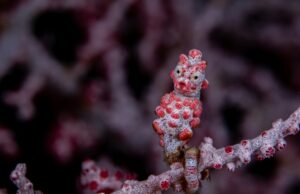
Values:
[(191, 169)]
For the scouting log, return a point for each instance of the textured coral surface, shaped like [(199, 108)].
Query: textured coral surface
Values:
[(80, 79)]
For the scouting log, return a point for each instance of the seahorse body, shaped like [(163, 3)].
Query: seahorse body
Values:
[(179, 111), (178, 115)]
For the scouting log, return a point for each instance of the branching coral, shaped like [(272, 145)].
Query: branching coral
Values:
[(263, 146), (117, 74), (189, 163), (102, 177)]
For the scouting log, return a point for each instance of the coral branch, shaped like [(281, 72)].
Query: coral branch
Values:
[(154, 184), (18, 178), (262, 146)]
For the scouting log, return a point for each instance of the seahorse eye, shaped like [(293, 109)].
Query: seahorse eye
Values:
[(197, 77), (178, 71)]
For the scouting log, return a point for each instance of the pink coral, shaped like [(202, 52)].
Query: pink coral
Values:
[(19, 179), (126, 49), (102, 177)]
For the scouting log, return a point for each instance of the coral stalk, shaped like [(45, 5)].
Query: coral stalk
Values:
[(263, 146), (21, 181)]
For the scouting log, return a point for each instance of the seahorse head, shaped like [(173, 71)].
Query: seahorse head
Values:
[(189, 74)]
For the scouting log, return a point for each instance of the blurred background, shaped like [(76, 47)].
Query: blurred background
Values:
[(81, 78)]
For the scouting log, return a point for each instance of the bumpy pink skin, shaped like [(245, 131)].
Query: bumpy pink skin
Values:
[(179, 111), (189, 76)]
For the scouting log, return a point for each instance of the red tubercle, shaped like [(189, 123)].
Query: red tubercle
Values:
[(264, 133), (271, 149), (104, 174), (93, 185), (172, 124), (186, 114), (195, 122), (228, 149), (186, 102), (157, 127), (193, 105), (178, 105), (197, 112), (195, 53), (185, 135), (164, 184), (217, 166), (244, 142), (164, 101), (202, 65), (270, 152), (174, 97), (280, 146), (169, 109), (197, 101), (175, 115), (183, 60), (204, 84), (160, 111)]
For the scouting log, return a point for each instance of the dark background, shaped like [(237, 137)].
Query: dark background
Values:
[(103, 66)]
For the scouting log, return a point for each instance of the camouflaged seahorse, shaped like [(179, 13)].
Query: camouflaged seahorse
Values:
[(179, 111)]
